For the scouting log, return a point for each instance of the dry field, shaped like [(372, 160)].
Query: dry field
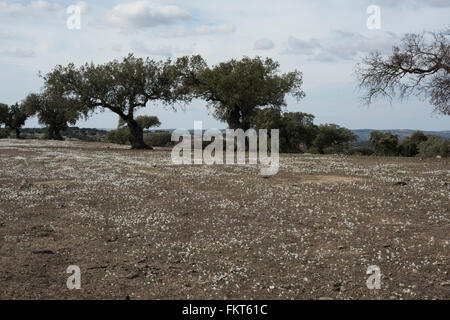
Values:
[(140, 227)]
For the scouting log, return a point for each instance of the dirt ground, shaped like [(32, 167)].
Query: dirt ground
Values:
[(140, 227)]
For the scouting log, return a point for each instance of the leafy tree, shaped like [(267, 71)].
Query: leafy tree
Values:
[(235, 89), (419, 66), (55, 111), (297, 130), (410, 146), (384, 144), (332, 138), (123, 87), (434, 146), (13, 117)]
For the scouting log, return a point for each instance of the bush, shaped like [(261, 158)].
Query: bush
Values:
[(4, 133), (384, 144), (332, 138), (118, 136), (297, 129), (159, 139), (434, 146), (360, 151), (410, 146)]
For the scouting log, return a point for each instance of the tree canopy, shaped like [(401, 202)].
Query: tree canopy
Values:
[(55, 111), (235, 89), (13, 117), (419, 66), (122, 87)]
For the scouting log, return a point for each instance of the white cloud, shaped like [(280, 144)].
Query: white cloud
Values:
[(10, 8), (263, 44), (299, 46), (82, 5), (34, 7), (341, 45), (211, 29), (145, 14), (438, 3), (17, 52), (43, 5), (162, 51)]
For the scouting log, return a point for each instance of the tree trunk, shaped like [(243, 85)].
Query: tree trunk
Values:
[(136, 135), (17, 133), (234, 120), (54, 133)]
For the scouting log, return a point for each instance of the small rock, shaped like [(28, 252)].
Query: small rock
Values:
[(272, 287), (337, 286), (133, 276), (112, 239), (25, 184), (400, 183), (325, 298), (445, 284)]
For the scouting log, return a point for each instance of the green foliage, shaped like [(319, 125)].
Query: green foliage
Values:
[(118, 136), (384, 144), (332, 138), (123, 87), (13, 117), (297, 130), (360, 151), (235, 89), (4, 134), (55, 111), (4, 113), (434, 146), (410, 146), (145, 122), (159, 139)]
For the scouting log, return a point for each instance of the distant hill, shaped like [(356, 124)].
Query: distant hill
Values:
[(364, 134)]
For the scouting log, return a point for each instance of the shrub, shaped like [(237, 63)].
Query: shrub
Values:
[(384, 144), (332, 138), (434, 146), (360, 151), (410, 146), (159, 139), (4, 133), (118, 136)]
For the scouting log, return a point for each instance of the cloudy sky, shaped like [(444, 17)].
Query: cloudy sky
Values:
[(323, 39)]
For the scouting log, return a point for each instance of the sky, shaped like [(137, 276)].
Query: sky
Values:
[(323, 39)]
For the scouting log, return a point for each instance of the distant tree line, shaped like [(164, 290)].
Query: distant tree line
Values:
[(418, 144)]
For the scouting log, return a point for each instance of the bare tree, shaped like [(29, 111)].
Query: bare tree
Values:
[(419, 66)]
